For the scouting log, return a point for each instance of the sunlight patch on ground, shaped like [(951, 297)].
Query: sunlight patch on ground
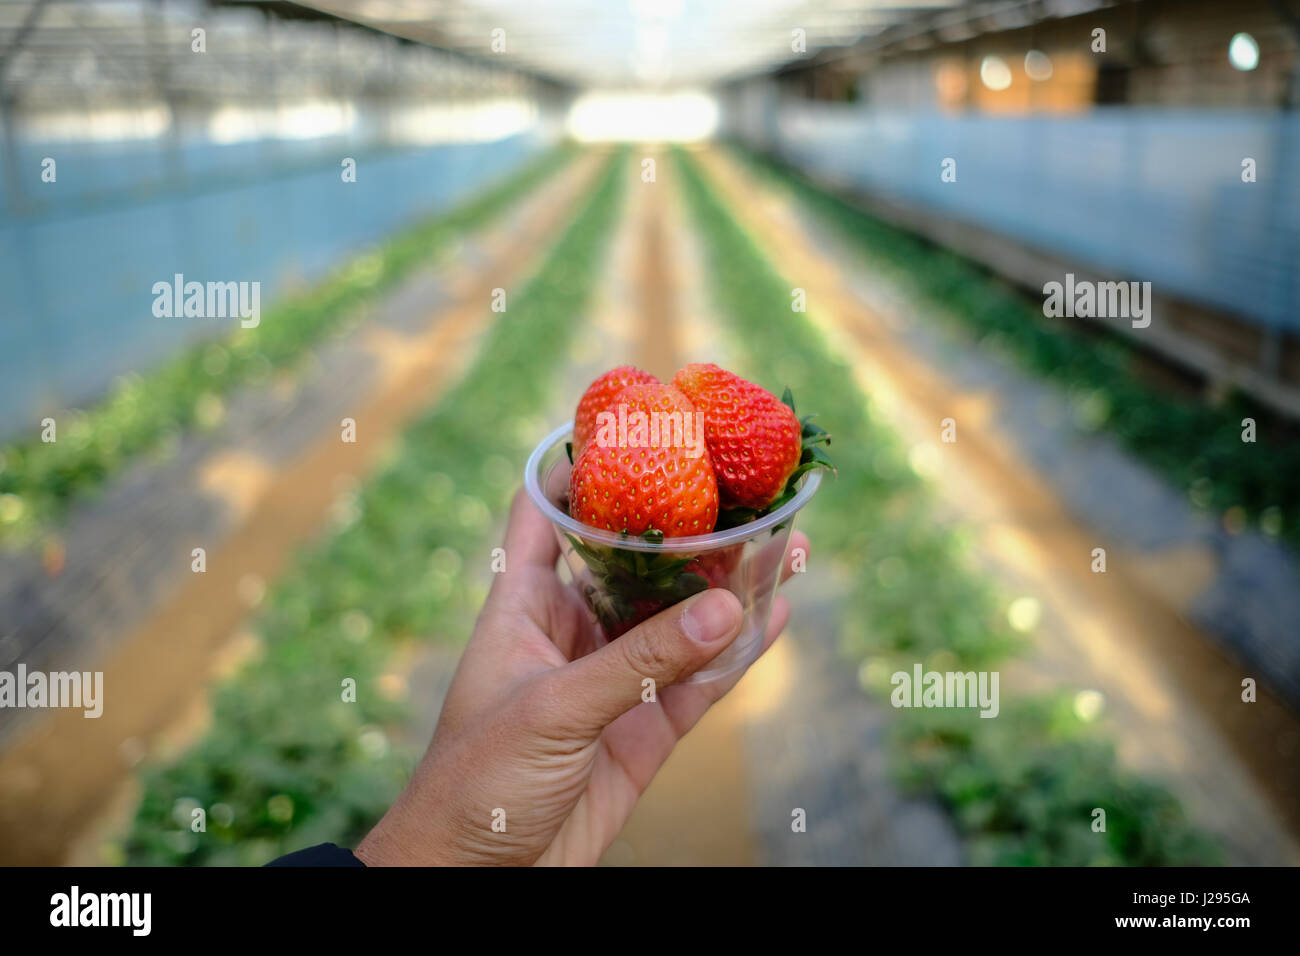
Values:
[(237, 478), (767, 684)]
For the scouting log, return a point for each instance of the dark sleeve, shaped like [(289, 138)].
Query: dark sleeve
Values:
[(326, 854)]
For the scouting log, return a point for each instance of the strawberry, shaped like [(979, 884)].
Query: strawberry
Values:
[(641, 610), (754, 439), (598, 397), (642, 481), (716, 567)]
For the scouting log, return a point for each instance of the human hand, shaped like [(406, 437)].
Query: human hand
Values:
[(543, 723)]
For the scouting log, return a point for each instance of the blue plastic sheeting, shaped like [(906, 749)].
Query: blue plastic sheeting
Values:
[(1146, 195), (77, 270)]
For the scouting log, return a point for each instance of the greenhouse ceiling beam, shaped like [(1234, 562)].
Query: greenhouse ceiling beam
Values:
[(722, 42), (30, 21), (961, 23), (422, 33)]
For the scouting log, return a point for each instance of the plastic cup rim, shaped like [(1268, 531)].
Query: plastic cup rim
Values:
[(698, 542)]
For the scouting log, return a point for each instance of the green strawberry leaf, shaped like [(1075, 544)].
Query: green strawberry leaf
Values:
[(688, 584), (734, 517), (812, 434), (595, 561), (816, 456)]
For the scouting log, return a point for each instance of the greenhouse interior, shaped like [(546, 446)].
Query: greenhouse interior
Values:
[(296, 293)]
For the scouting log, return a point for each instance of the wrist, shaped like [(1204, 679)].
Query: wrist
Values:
[(395, 842)]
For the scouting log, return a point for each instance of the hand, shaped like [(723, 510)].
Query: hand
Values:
[(549, 727)]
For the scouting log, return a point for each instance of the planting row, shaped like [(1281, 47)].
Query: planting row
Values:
[(290, 760), (1022, 787)]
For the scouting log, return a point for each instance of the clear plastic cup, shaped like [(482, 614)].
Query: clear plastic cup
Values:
[(625, 579)]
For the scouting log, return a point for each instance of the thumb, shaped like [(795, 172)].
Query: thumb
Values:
[(673, 644)]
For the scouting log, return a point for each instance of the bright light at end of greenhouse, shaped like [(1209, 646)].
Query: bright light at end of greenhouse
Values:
[(994, 73), (643, 117), (1243, 52)]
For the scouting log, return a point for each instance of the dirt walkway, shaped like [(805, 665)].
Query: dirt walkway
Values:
[(696, 811), (63, 782), (796, 732), (1171, 695)]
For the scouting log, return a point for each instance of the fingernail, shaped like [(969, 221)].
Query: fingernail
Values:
[(710, 617)]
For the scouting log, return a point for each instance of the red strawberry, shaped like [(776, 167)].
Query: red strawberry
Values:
[(716, 567), (598, 397), (754, 439), (642, 609), (637, 483)]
